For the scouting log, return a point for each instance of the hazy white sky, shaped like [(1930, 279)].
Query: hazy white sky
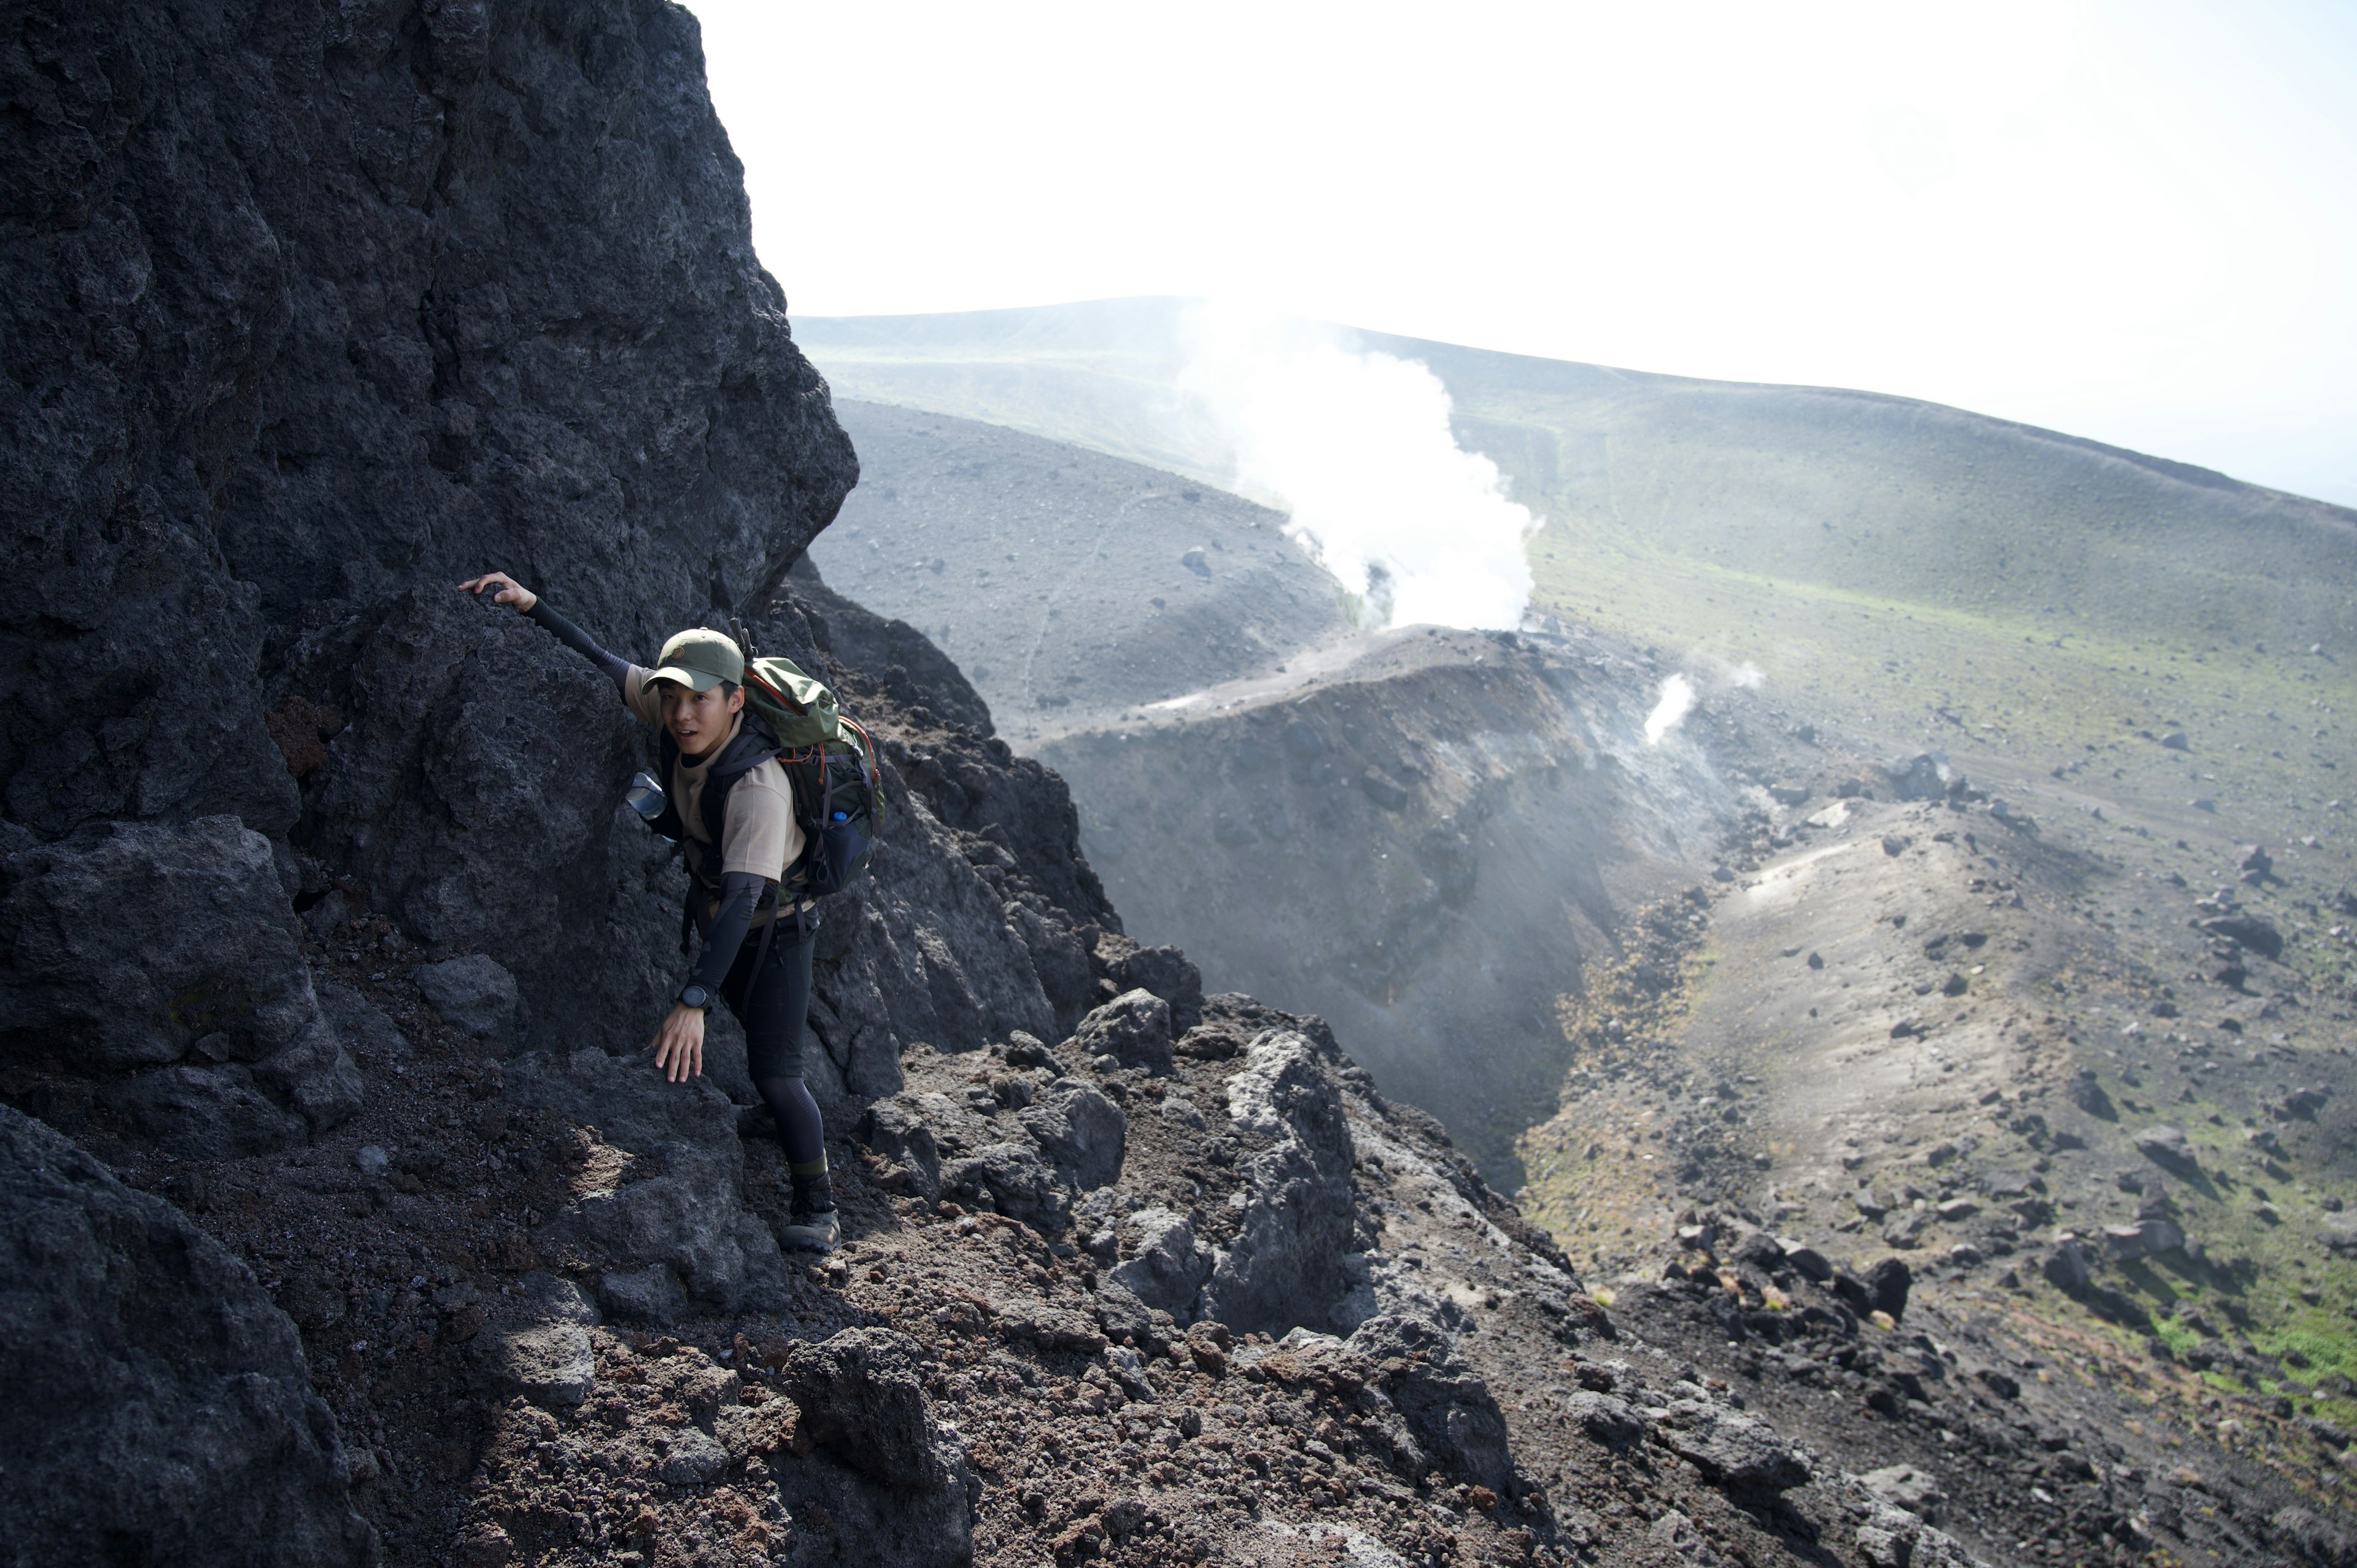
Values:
[(2136, 222)]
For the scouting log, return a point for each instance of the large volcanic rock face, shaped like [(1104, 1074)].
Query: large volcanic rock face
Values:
[(312, 310)]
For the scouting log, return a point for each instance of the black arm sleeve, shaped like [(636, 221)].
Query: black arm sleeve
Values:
[(573, 637), (739, 892)]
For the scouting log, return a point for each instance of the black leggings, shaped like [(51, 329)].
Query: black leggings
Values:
[(774, 1006)]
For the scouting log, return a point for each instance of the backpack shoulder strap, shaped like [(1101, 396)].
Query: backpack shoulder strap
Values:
[(753, 745)]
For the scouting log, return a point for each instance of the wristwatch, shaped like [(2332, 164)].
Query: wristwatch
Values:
[(695, 996)]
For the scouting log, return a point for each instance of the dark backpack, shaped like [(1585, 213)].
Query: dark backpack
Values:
[(830, 756)]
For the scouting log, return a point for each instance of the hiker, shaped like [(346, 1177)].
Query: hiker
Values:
[(746, 895)]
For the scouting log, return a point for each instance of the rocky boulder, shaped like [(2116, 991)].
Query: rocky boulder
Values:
[(1436, 1412), (1133, 1028), (1608, 1418), (304, 313), (1730, 1448), (2169, 1148), (538, 1344), (1012, 1180), (1284, 1266), (167, 960), (1888, 1283), (159, 1409), (1166, 1264), (1926, 776), (1905, 1487), (2256, 932), (897, 1129), (1894, 1538), (864, 1406), (2065, 1266), (1166, 973), (659, 1196), (1081, 1131), (473, 993)]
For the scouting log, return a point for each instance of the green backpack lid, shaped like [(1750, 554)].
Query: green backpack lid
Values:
[(801, 712)]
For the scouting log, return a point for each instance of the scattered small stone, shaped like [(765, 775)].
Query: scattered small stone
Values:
[(2166, 1147)]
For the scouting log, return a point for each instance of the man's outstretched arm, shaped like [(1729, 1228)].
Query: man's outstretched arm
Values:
[(506, 590)]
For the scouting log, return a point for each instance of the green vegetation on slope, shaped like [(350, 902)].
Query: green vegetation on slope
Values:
[(2264, 738)]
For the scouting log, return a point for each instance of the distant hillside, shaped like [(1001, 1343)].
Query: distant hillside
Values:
[(1067, 584), (1100, 375), (1851, 491)]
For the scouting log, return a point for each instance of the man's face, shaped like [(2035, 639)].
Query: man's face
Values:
[(699, 720)]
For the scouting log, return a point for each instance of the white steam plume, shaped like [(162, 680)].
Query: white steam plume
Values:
[(1677, 701), (1356, 445)]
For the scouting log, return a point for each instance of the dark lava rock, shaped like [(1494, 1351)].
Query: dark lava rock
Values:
[(2166, 1147), (1014, 1180), (1166, 1267), (884, 1474), (159, 1409), (1168, 973), (2300, 1104), (897, 1131), (2065, 1267), (679, 1232), (1283, 1266), (1608, 1418), (1133, 1028), (1051, 1328), (1081, 1132), (2311, 1540), (134, 941), (862, 1396), (1446, 1418), (1810, 1263), (538, 1345), (1888, 1282), (1908, 1488), (1731, 1448), (1924, 776), (474, 993), (171, 948), (1123, 1315), (2088, 1095), (2252, 932)]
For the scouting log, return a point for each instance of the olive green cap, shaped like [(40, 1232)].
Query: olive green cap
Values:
[(700, 659)]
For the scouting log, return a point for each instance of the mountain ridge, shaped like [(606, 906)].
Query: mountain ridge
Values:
[(842, 333)]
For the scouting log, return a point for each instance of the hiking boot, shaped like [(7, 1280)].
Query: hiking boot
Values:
[(820, 1232)]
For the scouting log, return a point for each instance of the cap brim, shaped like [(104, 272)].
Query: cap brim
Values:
[(693, 680)]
